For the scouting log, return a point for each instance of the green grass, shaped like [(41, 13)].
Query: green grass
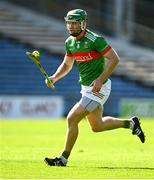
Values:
[(110, 154)]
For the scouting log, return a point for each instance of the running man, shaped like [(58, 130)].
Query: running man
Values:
[(90, 51)]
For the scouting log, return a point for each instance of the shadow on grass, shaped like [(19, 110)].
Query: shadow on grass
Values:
[(139, 168)]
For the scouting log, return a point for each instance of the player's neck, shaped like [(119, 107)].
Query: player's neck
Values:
[(81, 35)]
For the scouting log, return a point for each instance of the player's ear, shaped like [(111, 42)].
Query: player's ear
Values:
[(83, 25)]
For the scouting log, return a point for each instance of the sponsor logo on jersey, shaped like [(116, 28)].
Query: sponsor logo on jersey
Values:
[(86, 56)]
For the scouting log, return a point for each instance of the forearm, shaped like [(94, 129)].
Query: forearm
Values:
[(62, 70)]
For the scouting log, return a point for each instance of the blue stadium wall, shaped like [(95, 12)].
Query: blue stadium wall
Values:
[(19, 76)]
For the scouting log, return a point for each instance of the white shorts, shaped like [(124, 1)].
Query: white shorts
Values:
[(101, 97)]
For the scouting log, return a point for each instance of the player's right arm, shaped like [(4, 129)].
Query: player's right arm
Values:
[(62, 70)]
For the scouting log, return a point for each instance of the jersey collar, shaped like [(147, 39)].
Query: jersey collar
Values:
[(81, 35)]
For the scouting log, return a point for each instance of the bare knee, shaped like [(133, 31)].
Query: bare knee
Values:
[(98, 126), (96, 129), (72, 121)]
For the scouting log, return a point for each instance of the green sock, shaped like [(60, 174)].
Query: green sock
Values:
[(65, 154), (126, 124)]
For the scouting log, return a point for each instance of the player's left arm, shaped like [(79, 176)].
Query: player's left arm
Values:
[(112, 59)]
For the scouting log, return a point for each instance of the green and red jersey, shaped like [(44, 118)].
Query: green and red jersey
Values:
[(88, 53)]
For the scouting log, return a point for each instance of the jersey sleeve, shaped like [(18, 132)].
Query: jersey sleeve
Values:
[(68, 52), (101, 45)]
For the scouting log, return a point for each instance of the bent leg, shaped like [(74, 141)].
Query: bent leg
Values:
[(99, 124)]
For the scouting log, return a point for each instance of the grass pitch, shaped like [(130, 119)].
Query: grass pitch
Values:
[(110, 154)]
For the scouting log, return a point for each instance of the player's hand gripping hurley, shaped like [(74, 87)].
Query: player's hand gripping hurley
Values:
[(34, 56)]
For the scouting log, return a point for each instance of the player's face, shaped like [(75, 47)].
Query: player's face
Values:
[(74, 28)]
